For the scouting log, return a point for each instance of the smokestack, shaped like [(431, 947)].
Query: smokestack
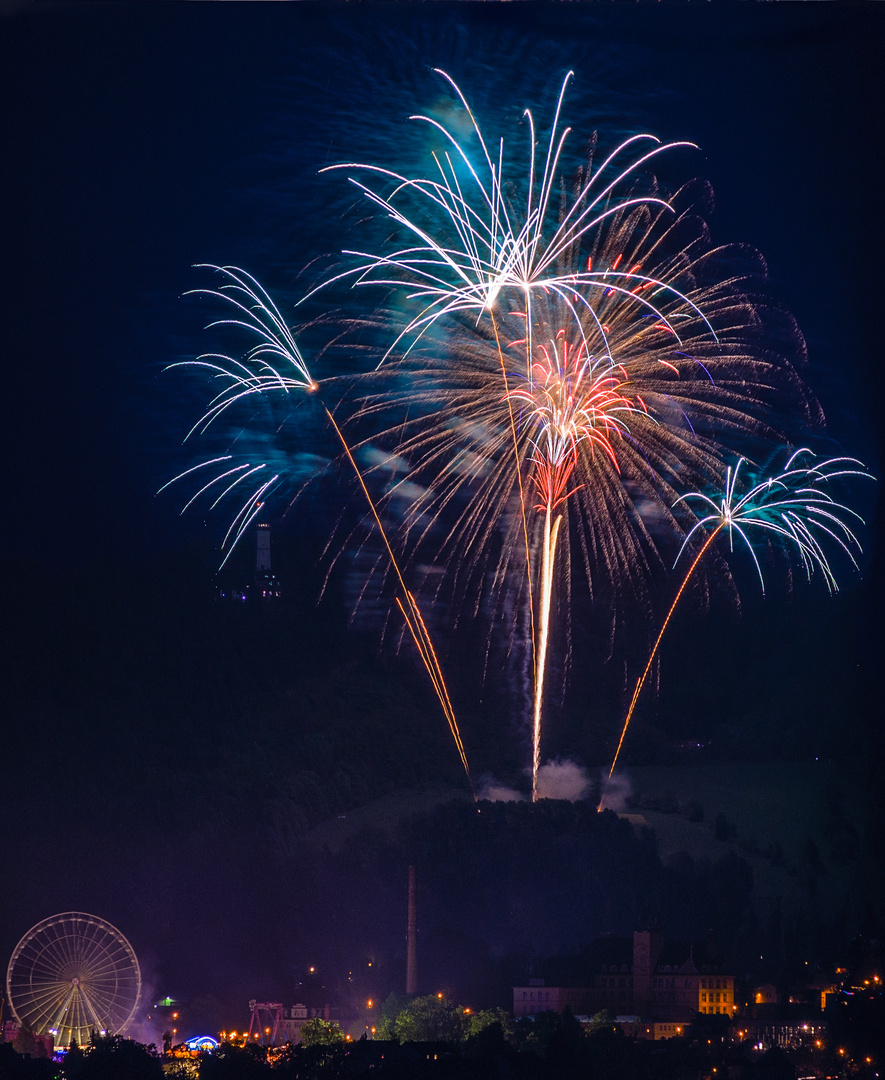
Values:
[(412, 947)]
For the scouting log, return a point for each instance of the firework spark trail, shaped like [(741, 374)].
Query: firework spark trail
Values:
[(276, 343), (547, 567), (414, 621), (641, 681), (789, 506), (570, 399)]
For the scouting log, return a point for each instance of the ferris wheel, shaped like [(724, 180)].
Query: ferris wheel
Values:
[(73, 974)]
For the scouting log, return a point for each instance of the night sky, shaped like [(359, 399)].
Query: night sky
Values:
[(144, 139)]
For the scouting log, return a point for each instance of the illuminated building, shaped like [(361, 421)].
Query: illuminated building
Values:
[(664, 982)]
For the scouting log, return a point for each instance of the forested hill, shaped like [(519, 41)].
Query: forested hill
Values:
[(169, 761)]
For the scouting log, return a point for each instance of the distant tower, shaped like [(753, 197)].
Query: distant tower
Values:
[(647, 945), (262, 550), (266, 586), (412, 946)]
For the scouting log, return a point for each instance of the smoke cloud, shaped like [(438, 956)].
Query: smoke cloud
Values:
[(563, 780), (615, 793), (557, 779), (491, 789)]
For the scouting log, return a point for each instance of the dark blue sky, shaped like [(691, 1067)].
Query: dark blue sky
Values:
[(146, 138)]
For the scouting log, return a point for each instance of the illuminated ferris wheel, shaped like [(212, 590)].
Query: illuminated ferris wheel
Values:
[(73, 974)]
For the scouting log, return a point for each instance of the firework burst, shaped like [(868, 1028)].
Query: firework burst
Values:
[(572, 333), (614, 417)]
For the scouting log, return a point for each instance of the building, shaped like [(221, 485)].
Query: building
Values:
[(667, 982), (265, 585)]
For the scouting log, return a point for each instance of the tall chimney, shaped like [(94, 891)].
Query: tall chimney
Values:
[(412, 946)]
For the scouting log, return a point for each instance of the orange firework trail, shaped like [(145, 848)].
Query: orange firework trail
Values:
[(413, 618), (641, 681)]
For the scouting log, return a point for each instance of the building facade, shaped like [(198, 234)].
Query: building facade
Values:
[(650, 977)]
